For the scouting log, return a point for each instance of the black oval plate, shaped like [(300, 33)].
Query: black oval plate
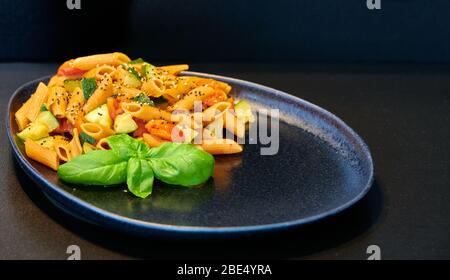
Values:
[(321, 168)]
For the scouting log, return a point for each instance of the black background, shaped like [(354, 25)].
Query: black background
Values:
[(385, 73), (212, 30)]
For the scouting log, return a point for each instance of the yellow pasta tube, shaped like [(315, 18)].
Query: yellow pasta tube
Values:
[(62, 149), (221, 146), (187, 102), (59, 105), (21, 118), (174, 69), (41, 154), (36, 101), (99, 72), (215, 111), (74, 145), (91, 61), (102, 144), (175, 88), (96, 131), (152, 141), (51, 96), (74, 107), (153, 87), (103, 91), (56, 81), (147, 112), (129, 93)]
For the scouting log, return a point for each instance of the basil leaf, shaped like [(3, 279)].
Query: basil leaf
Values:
[(88, 85), (127, 147), (181, 164), (95, 168), (43, 108), (139, 177)]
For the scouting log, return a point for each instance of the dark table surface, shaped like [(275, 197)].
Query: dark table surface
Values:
[(401, 111)]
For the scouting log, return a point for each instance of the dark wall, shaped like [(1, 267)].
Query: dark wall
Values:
[(199, 30)]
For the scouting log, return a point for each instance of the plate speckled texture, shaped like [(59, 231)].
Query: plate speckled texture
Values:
[(322, 168)]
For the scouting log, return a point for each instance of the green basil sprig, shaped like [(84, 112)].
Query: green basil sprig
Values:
[(133, 162)]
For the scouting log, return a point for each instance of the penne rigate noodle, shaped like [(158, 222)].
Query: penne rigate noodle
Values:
[(56, 81), (41, 154), (101, 93), (74, 107), (146, 112), (99, 72), (221, 146), (152, 140), (62, 149), (91, 61), (175, 89), (59, 106), (51, 97), (102, 144), (74, 145), (96, 131), (215, 111), (129, 93), (187, 101), (153, 87), (21, 118), (174, 69), (36, 101)]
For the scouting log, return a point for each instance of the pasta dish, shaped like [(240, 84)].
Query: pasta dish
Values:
[(144, 118)]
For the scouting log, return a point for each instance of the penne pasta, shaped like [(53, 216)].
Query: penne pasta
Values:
[(41, 154), (91, 61), (62, 149), (146, 112), (99, 72), (74, 106), (102, 144), (221, 146), (216, 111), (174, 69), (101, 93), (74, 145), (96, 131), (96, 96), (38, 98), (59, 106), (56, 81), (153, 87), (152, 140), (176, 88), (129, 93), (187, 101), (21, 116)]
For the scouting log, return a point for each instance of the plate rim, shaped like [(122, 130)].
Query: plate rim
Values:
[(108, 219)]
